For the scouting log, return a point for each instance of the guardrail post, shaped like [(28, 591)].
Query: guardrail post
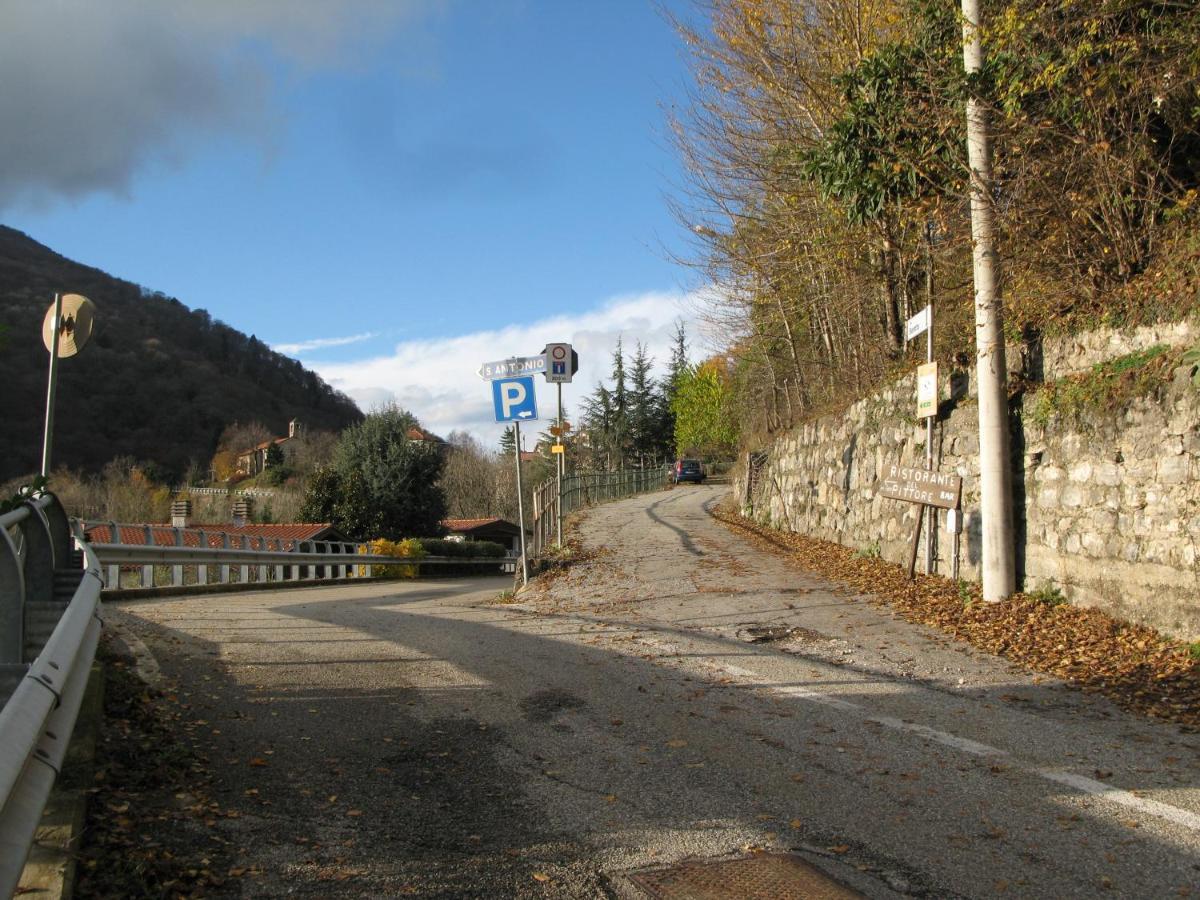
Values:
[(310, 571), (12, 602), (244, 569), (39, 563), (177, 570), (202, 568), (148, 570), (262, 569), (114, 571), (279, 567), (224, 566), (61, 540)]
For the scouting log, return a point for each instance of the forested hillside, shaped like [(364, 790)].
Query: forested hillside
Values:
[(157, 383)]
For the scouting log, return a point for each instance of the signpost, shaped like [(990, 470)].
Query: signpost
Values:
[(515, 401), (923, 486), (65, 330), (562, 363), (941, 489)]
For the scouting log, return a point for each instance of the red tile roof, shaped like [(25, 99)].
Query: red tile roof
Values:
[(264, 445), (470, 524), (164, 535)]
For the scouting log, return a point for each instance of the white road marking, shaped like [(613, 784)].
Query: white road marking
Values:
[(1182, 817)]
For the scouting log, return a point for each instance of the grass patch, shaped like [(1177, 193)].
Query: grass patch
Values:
[(1109, 386)]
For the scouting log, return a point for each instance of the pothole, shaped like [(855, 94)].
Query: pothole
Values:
[(772, 634)]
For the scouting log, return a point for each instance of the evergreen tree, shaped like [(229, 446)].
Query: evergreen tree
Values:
[(644, 419), (677, 370), (508, 440)]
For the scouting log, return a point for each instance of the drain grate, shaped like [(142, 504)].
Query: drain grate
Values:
[(763, 877)]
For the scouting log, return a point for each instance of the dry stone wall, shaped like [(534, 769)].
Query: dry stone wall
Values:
[(1107, 508)]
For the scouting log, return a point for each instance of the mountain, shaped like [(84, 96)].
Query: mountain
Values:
[(157, 382)]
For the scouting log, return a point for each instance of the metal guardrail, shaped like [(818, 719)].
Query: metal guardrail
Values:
[(581, 489), (51, 578), (184, 557), (38, 564)]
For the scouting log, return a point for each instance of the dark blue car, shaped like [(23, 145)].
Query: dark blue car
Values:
[(688, 470)]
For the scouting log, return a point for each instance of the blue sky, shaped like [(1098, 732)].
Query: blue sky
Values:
[(358, 181)]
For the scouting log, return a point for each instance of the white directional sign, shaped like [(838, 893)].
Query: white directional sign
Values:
[(513, 366), (917, 324)]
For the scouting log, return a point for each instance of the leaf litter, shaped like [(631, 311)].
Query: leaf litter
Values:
[(1133, 665)]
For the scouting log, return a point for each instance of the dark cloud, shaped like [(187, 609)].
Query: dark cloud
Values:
[(94, 91)]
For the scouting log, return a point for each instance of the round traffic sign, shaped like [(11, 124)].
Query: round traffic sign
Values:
[(559, 352)]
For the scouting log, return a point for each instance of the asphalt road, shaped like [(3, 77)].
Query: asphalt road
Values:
[(419, 739)]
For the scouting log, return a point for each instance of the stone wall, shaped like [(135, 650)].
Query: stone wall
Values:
[(1108, 510)]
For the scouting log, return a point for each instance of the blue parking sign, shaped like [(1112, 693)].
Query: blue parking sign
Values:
[(514, 399)]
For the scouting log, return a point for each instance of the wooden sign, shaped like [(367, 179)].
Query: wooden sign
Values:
[(942, 489)]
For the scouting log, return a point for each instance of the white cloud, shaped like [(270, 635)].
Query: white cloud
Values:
[(93, 91), (436, 379), (301, 347)]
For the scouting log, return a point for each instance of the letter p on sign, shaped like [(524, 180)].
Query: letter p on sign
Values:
[(514, 399)]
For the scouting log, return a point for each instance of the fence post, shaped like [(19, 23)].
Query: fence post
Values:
[(262, 569)]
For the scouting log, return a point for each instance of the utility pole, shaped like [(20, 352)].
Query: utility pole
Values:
[(995, 468)]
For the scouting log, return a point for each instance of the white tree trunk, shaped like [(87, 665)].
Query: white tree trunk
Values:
[(995, 472)]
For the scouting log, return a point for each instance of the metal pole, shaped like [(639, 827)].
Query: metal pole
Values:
[(52, 388), (562, 466), (520, 502), (931, 531)]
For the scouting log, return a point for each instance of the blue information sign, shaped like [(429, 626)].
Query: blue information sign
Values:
[(514, 399)]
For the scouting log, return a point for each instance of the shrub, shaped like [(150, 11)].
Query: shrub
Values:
[(410, 547)]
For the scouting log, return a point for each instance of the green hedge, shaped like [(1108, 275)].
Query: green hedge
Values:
[(462, 549)]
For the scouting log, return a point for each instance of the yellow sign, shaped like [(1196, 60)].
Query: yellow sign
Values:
[(558, 448), (927, 390)]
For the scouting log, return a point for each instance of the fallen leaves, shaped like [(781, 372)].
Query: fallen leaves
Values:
[(1132, 665)]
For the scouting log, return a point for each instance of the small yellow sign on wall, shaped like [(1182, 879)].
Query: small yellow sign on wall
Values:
[(927, 390)]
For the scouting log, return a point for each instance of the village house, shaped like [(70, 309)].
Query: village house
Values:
[(253, 461)]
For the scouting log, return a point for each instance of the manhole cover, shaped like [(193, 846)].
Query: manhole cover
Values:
[(764, 877)]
